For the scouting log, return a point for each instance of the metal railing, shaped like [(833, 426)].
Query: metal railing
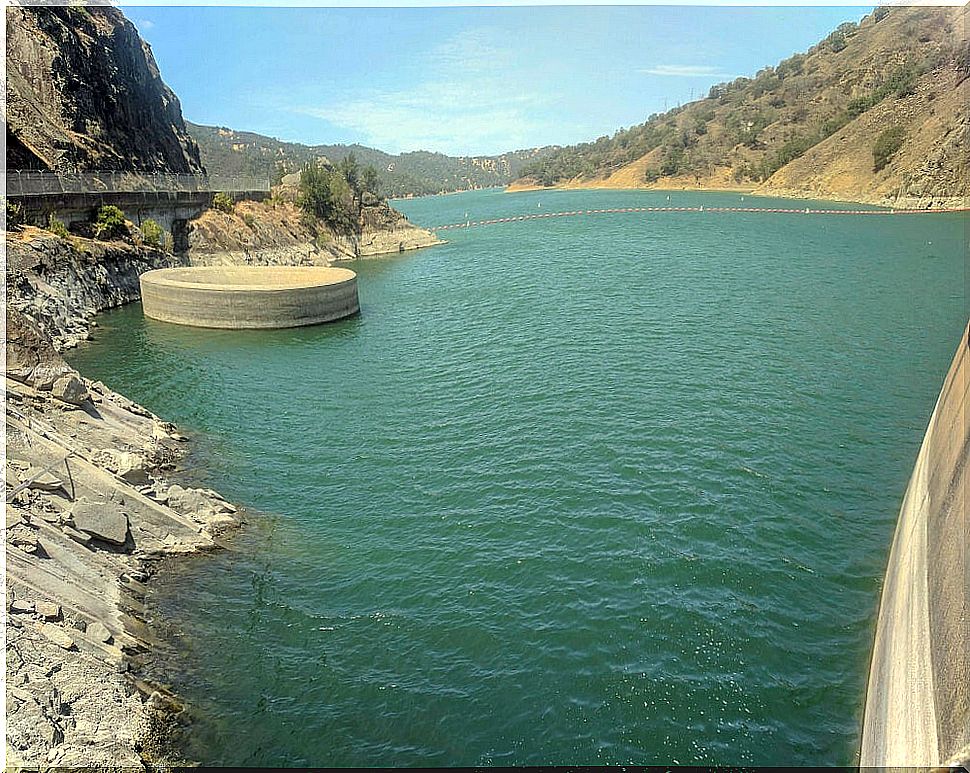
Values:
[(24, 184)]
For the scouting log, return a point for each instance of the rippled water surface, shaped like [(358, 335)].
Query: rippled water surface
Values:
[(604, 489)]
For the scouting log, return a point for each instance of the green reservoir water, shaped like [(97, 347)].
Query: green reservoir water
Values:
[(607, 489)]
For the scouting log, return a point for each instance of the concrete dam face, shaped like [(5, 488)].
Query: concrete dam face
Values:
[(917, 710), (238, 297)]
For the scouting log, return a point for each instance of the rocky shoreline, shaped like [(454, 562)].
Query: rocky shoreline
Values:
[(276, 232), (93, 509), (95, 501), (93, 505)]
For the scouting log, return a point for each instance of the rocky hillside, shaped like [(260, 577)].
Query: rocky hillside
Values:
[(278, 232), (84, 93), (875, 112), (229, 152)]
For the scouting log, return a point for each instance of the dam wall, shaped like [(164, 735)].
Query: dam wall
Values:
[(240, 297), (917, 710)]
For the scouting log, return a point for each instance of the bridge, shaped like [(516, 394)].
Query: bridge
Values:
[(168, 199)]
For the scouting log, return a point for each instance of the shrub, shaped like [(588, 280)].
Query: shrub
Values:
[(168, 242), (109, 223), (223, 202), (152, 233), (16, 217), (886, 145), (250, 221), (56, 226)]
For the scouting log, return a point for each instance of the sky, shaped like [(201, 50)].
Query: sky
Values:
[(461, 80)]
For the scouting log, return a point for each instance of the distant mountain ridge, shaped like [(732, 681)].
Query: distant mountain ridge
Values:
[(229, 152), (877, 111)]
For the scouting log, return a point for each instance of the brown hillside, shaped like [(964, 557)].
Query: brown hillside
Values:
[(808, 126)]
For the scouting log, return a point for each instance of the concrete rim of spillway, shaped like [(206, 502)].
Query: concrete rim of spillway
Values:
[(239, 297)]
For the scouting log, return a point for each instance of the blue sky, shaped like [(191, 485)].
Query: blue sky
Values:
[(462, 81)]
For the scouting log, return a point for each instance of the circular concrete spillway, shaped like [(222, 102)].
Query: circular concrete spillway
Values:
[(249, 296)]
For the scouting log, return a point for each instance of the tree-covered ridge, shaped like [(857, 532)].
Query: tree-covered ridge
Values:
[(336, 194), (754, 126), (229, 152)]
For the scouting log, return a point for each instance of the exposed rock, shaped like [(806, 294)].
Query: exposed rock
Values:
[(30, 356), (125, 464), (70, 389), (77, 536), (104, 520), (57, 635), (99, 632), (44, 481), (48, 610), (84, 92), (189, 501), (276, 233), (59, 284), (21, 607)]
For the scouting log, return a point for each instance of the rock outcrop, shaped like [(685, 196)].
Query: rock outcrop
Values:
[(82, 542), (84, 93), (61, 283), (276, 232)]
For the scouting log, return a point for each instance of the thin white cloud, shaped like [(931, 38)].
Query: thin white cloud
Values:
[(685, 71), (144, 24), (463, 105)]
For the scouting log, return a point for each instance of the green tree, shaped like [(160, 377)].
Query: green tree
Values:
[(110, 223), (56, 226), (371, 181), (223, 202), (326, 195)]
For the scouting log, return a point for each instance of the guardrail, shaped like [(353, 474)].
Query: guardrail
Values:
[(25, 184)]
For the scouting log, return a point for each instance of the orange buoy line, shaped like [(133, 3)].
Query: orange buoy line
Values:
[(759, 210)]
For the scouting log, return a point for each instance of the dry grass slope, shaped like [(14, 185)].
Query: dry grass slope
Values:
[(807, 127)]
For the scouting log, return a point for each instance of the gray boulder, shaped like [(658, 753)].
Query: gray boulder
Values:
[(70, 389), (104, 520)]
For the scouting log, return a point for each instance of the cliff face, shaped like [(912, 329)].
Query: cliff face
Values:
[(84, 93), (811, 125)]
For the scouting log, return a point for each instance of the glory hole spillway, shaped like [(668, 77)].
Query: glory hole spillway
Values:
[(249, 296)]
